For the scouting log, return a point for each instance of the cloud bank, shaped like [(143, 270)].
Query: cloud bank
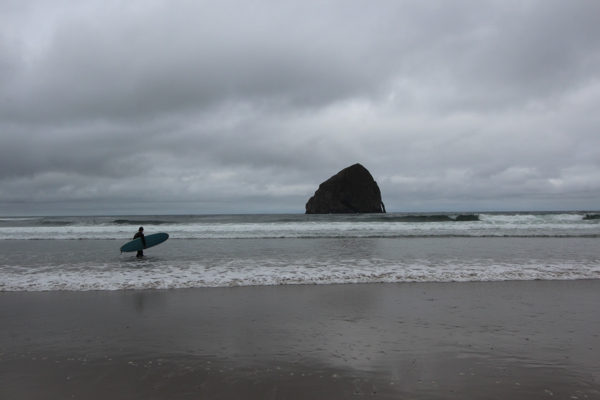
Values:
[(148, 107)]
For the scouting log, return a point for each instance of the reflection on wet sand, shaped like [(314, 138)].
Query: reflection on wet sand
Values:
[(445, 340)]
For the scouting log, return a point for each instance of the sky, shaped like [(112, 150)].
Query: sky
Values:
[(201, 107)]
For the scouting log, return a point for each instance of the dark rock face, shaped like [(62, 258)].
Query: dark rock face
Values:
[(352, 190)]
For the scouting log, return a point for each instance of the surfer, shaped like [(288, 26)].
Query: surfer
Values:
[(140, 234)]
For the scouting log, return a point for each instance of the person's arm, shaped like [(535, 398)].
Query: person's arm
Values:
[(143, 240)]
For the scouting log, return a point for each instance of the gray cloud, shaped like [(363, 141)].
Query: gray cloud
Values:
[(248, 106)]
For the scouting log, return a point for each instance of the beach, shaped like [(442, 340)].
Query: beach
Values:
[(450, 340), (409, 306)]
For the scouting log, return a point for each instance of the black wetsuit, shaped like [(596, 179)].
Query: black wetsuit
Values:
[(140, 253)]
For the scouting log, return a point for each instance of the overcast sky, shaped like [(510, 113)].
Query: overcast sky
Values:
[(146, 107)]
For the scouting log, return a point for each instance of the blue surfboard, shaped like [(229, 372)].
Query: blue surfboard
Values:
[(151, 241)]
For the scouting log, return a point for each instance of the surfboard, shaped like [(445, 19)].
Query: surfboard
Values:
[(151, 241)]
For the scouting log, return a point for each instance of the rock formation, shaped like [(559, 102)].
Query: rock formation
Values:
[(352, 190)]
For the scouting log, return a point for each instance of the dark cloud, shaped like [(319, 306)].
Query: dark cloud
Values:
[(248, 106), (174, 59)]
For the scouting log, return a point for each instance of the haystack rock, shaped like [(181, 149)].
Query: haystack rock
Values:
[(352, 190)]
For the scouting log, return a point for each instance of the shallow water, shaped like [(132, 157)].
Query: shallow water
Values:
[(38, 265)]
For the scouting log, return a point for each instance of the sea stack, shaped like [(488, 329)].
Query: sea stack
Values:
[(352, 190)]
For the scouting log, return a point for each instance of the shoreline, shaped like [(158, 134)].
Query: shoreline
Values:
[(512, 339)]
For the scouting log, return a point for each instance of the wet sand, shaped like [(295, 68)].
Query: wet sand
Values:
[(484, 340)]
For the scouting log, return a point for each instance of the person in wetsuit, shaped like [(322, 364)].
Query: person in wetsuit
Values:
[(140, 234)]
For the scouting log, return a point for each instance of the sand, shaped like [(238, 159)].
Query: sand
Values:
[(484, 340)]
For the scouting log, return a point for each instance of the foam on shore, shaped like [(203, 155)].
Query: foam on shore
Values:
[(153, 273)]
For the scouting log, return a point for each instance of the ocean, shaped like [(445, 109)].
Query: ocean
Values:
[(82, 253)]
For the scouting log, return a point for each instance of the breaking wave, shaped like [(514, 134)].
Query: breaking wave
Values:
[(238, 273)]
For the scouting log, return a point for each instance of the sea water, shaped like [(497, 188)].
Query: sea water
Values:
[(82, 253)]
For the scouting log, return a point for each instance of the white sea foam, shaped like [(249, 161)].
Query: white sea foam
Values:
[(212, 257), (159, 275), (298, 227)]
